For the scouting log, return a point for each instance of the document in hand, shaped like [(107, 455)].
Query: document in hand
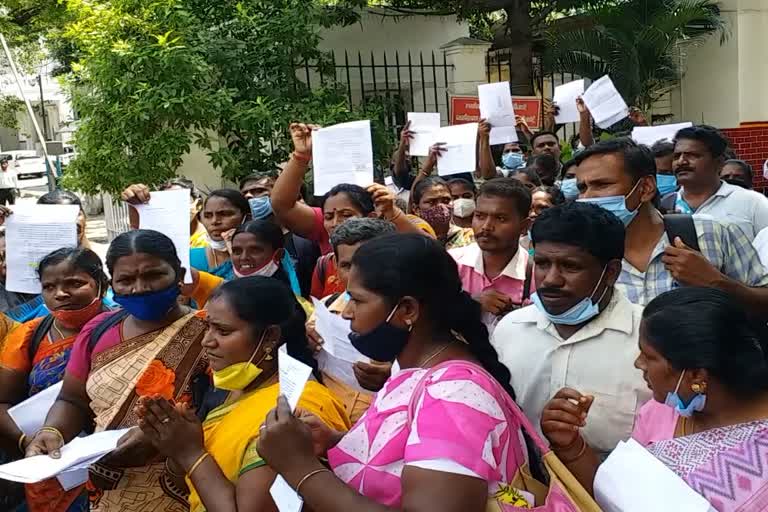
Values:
[(168, 213), (565, 97), (342, 153), (79, 453), (496, 108), (623, 482), (338, 355), (605, 103), (32, 232), (460, 149), (650, 135), (423, 126), (30, 414)]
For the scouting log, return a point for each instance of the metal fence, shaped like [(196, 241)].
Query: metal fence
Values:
[(408, 82)]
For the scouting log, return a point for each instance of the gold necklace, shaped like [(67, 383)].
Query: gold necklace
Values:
[(58, 331), (423, 364)]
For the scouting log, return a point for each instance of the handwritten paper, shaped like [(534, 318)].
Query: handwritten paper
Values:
[(293, 375), (497, 109), (342, 153), (168, 212), (650, 135), (623, 480), (32, 232), (605, 103), (565, 98), (77, 454), (460, 149), (423, 126)]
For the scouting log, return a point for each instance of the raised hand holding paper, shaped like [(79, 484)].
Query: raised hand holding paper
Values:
[(168, 212), (649, 135), (342, 153), (496, 108), (33, 232), (565, 97), (460, 153), (423, 126), (605, 103)]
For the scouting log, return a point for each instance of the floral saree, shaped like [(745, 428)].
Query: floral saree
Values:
[(162, 362)]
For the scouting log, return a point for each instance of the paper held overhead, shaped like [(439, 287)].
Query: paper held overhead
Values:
[(460, 149), (497, 109), (168, 212), (565, 98), (32, 232), (342, 153), (650, 135), (423, 127), (605, 103)]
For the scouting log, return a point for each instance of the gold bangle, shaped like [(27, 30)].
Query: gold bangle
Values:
[(308, 476), (22, 438), (397, 216), (52, 430), (197, 464), (578, 455)]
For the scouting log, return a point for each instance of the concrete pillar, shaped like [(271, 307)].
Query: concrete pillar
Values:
[(467, 56)]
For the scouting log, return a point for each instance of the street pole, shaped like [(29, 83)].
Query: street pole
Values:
[(43, 113), (48, 162)]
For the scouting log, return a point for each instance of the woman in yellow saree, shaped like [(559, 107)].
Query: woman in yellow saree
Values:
[(248, 320), (152, 346)]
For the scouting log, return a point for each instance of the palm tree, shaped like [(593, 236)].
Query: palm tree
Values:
[(636, 42)]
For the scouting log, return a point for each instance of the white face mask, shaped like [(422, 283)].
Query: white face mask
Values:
[(216, 245), (463, 207), (268, 270)]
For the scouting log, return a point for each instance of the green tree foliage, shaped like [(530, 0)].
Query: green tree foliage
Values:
[(636, 42), (151, 78)]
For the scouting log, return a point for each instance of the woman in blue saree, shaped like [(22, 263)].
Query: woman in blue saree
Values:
[(223, 211)]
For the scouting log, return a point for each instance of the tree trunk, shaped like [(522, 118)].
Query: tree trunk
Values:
[(518, 36)]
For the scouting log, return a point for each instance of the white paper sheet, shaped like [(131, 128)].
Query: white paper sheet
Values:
[(649, 135), (605, 103), (30, 414), (338, 355), (565, 97), (293, 376), (460, 149), (342, 153), (168, 213), (423, 126), (624, 479), (31, 233), (496, 107), (77, 454)]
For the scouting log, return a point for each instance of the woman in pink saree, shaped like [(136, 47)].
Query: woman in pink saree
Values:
[(707, 365)]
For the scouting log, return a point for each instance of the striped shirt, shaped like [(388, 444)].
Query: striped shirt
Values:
[(727, 248)]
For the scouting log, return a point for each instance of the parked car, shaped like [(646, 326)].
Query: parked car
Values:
[(26, 163)]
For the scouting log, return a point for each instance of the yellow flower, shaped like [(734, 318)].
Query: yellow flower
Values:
[(511, 496)]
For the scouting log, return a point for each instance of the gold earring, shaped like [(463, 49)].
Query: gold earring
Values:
[(410, 325), (699, 388), (268, 352)]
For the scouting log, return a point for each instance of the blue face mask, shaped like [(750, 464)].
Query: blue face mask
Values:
[(582, 312), (666, 183), (674, 400), (512, 160), (569, 189), (617, 205), (151, 306), (261, 207)]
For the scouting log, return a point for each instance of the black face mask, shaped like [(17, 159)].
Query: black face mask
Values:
[(384, 342)]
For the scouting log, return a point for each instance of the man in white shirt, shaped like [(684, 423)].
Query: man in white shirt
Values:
[(698, 158), (581, 332), (8, 184)]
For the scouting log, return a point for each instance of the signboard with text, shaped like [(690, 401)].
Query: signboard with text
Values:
[(466, 109)]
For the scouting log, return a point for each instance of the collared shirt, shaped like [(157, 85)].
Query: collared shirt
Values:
[(597, 360), (734, 205), (510, 281), (727, 248), (8, 179)]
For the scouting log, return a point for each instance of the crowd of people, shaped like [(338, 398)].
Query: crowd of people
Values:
[(514, 323)]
